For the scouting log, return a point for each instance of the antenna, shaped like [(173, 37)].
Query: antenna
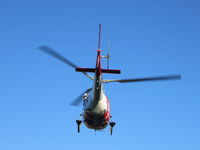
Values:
[(108, 56), (99, 42)]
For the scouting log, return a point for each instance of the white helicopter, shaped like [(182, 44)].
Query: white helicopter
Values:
[(96, 106)]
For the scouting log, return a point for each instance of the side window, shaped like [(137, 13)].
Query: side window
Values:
[(85, 98)]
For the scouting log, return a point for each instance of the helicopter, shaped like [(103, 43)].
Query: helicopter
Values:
[(96, 105)]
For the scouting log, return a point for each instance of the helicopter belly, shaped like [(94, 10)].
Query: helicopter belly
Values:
[(96, 121)]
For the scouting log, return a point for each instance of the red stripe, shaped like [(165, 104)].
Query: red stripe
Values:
[(108, 104), (107, 114)]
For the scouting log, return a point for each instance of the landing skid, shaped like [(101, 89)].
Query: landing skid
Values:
[(112, 124), (78, 125)]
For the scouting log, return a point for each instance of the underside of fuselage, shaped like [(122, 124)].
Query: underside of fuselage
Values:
[(96, 121)]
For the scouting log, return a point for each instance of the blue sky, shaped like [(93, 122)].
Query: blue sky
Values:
[(148, 37)]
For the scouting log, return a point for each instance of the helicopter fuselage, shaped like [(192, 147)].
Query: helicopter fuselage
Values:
[(96, 105)]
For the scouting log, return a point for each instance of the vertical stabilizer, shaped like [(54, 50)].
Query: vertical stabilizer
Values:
[(99, 42)]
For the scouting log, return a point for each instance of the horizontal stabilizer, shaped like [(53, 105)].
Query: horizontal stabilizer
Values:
[(110, 71), (94, 69), (85, 69)]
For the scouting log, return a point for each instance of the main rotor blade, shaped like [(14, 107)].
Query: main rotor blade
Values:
[(58, 56), (79, 99), (157, 78), (55, 54)]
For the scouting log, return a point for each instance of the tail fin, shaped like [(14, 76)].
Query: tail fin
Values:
[(99, 42), (98, 63)]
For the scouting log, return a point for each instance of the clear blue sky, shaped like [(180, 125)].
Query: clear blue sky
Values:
[(148, 37)]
